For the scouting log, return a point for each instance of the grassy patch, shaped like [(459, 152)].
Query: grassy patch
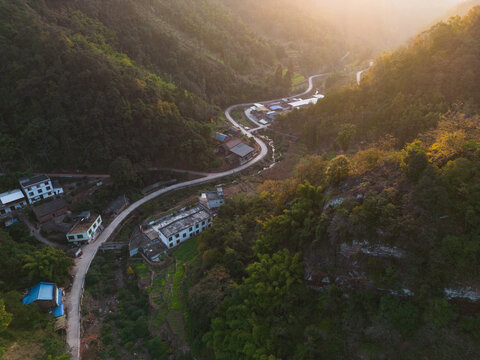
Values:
[(176, 298), (187, 251), (142, 271), (176, 320)]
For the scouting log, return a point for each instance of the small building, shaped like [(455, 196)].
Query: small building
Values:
[(177, 228), (151, 248), (50, 210), (242, 153), (85, 230), (230, 144), (47, 296), (220, 137), (154, 249), (117, 205), (39, 187), (137, 240), (213, 199), (302, 103), (11, 201)]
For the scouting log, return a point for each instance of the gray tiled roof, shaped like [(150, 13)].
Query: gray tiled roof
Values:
[(33, 180), (242, 150), (174, 224)]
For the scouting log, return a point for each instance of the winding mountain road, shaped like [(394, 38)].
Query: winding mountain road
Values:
[(82, 264)]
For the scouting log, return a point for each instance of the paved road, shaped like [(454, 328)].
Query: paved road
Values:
[(73, 299)]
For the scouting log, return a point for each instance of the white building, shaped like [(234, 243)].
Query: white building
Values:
[(85, 230), (213, 199), (175, 229), (39, 187), (301, 103), (11, 201)]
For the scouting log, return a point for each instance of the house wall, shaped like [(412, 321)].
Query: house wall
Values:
[(87, 235), (11, 207), (37, 192), (186, 234), (215, 203)]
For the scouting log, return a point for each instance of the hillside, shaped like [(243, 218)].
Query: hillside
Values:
[(404, 93), (85, 82)]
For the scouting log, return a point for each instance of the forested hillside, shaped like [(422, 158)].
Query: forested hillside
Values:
[(88, 81), (315, 42), (355, 258), (405, 93), (370, 254)]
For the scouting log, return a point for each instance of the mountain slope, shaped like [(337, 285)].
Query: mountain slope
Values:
[(406, 92)]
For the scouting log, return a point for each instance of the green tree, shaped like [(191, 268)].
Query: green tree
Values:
[(123, 173), (48, 264), (338, 170), (345, 135), (5, 317)]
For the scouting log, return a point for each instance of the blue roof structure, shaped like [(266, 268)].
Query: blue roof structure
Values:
[(41, 291), (276, 107), (220, 137), (59, 310)]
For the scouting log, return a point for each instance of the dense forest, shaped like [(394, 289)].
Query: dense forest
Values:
[(351, 259), (365, 255), (404, 93), (86, 82), (24, 263)]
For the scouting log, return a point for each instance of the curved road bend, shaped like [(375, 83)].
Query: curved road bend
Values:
[(82, 264), (73, 299)]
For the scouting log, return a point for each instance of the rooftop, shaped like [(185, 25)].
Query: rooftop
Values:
[(242, 150), (233, 142), (41, 291), (33, 180), (176, 223), (83, 225), (49, 207), (154, 248), (214, 195), (137, 239), (11, 196)]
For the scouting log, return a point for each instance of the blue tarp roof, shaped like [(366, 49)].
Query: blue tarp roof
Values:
[(41, 291), (276, 107), (59, 311), (220, 137)]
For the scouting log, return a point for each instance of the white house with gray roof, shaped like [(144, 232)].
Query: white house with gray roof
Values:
[(177, 228), (39, 187)]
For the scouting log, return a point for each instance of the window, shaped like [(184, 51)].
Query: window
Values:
[(203, 222), (49, 188), (71, 237), (196, 226), (177, 236), (184, 235), (46, 182), (170, 238), (178, 242), (191, 229), (30, 194), (2, 211), (171, 245), (80, 236), (50, 193), (39, 191)]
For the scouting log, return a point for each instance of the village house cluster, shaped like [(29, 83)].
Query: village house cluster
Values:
[(236, 150), (268, 112), (31, 190), (155, 238)]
